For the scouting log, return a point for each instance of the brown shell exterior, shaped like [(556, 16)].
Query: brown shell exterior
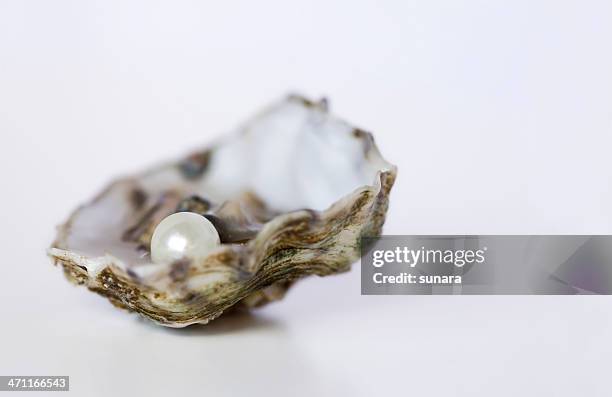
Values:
[(289, 247)]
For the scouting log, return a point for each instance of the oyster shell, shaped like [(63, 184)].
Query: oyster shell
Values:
[(290, 193)]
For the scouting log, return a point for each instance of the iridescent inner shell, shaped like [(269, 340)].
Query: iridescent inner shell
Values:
[(290, 193)]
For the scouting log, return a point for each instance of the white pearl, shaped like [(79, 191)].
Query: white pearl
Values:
[(183, 235)]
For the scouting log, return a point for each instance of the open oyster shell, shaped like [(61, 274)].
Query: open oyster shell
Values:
[(291, 193)]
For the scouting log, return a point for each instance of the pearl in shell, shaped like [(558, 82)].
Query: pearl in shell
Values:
[(183, 235)]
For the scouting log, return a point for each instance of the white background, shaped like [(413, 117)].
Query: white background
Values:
[(497, 113)]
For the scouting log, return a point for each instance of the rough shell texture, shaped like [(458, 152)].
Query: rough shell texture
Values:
[(291, 193)]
